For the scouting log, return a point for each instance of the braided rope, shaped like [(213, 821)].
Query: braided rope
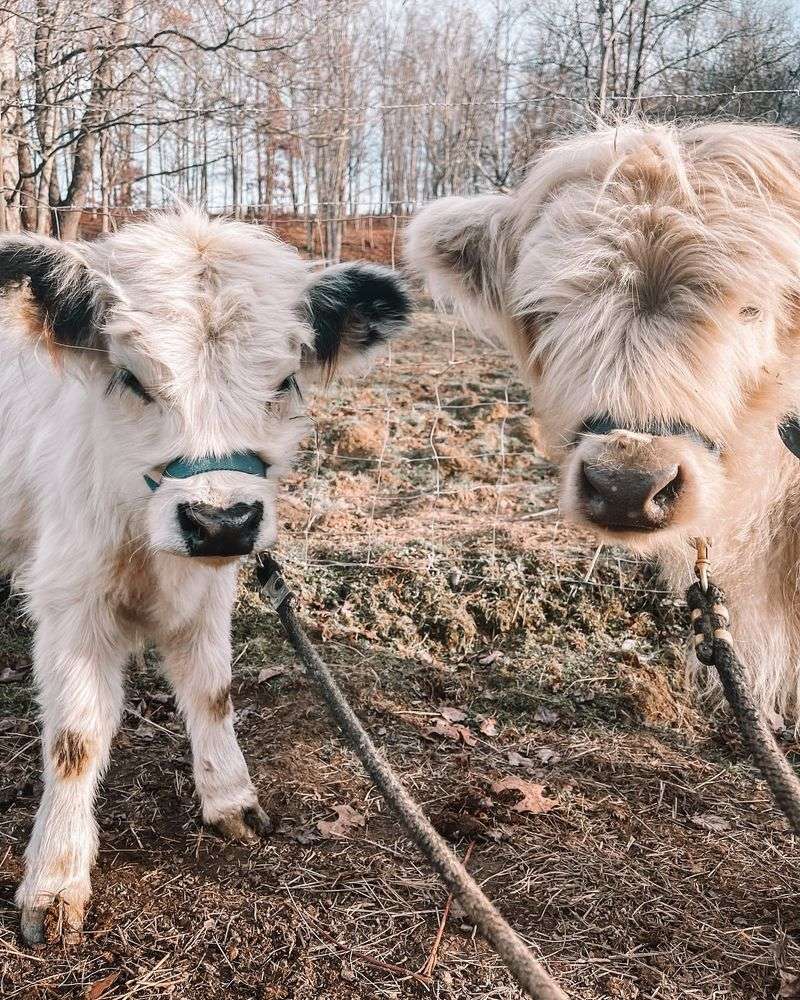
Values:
[(714, 647)]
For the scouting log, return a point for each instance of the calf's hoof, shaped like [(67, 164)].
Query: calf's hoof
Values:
[(247, 824), (58, 920)]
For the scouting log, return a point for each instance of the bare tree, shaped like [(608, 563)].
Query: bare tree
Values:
[(328, 109)]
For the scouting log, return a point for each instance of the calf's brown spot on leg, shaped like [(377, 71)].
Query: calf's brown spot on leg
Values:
[(220, 705), (71, 753)]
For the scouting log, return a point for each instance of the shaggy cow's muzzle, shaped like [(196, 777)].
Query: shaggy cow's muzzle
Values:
[(635, 481), (210, 531)]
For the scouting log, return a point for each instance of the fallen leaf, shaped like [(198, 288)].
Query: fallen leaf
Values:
[(268, 673), (490, 658), (346, 822), (489, 727), (532, 800), (710, 821), (519, 760), (97, 989), (790, 986), (545, 715), (460, 734), (304, 834), (452, 714), (442, 728), (467, 736)]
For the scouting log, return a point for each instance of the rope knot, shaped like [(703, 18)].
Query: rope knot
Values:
[(710, 620)]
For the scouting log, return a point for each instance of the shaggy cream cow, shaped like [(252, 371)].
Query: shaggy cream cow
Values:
[(149, 402), (647, 280)]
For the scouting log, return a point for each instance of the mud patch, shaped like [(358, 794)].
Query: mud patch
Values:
[(71, 753)]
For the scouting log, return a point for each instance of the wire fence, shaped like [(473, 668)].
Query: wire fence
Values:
[(424, 478)]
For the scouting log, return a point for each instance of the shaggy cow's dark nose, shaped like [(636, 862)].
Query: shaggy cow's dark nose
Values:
[(218, 531), (629, 499)]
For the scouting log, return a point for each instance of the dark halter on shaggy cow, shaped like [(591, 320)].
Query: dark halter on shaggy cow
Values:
[(183, 468), (789, 430), (604, 423)]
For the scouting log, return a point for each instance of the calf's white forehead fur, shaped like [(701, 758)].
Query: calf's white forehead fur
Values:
[(211, 318), (652, 273), (205, 314)]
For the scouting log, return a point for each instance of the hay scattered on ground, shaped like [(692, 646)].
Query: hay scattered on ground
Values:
[(460, 621)]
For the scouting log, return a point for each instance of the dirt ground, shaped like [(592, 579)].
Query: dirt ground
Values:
[(540, 716)]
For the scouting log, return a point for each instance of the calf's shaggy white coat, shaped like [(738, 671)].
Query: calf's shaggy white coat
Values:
[(650, 275), (178, 337)]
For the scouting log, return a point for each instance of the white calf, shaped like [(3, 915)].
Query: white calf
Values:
[(149, 402)]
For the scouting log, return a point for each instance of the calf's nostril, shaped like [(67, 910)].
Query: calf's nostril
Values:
[(667, 493)]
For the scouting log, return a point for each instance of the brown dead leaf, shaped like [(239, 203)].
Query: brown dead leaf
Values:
[(490, 658), (519, 760), (442, 728), (790, 986), (531, 799), (97, 989), (268, 673), (452, 714), (711, 822), (489, 727), (346, 822), (461, 734), (466, 736)]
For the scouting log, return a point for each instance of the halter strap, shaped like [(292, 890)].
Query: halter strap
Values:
[(183, 468), (789, 430), (603, 423)]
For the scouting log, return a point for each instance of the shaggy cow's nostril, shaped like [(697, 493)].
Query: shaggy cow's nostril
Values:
[(629, 499), (220, 531)]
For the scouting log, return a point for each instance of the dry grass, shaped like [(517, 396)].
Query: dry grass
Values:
[(413, 532)]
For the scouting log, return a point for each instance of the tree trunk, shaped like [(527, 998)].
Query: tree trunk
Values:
[(83, 159), (9, 117)]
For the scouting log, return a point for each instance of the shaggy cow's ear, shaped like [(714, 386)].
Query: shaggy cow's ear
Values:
[(64, 297), (457, 246), (353, 309)]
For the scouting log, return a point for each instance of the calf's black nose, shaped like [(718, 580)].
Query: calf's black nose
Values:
[(220, 531), (629, 499)]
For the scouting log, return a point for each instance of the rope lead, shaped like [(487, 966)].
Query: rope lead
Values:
[(526, 970), (713, 646)]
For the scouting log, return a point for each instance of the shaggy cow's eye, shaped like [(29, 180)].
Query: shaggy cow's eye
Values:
[(749, 313), (123, 379)]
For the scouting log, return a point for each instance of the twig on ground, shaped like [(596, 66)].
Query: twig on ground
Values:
[(430, 965), (589, 571)]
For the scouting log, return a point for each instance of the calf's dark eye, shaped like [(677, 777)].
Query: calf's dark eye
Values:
[(288, 385), (124, 379)]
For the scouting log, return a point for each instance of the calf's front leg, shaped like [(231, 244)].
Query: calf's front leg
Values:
[(197, 662), (79, 675)]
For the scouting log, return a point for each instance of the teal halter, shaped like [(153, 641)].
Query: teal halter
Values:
[(183, 468)]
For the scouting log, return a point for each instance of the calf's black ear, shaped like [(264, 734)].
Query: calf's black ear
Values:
[(354, 309), (64, 304)]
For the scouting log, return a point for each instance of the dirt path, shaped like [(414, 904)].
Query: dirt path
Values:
[(633, 845)]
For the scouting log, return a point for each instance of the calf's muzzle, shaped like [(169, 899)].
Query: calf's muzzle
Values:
[(220, 531)]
